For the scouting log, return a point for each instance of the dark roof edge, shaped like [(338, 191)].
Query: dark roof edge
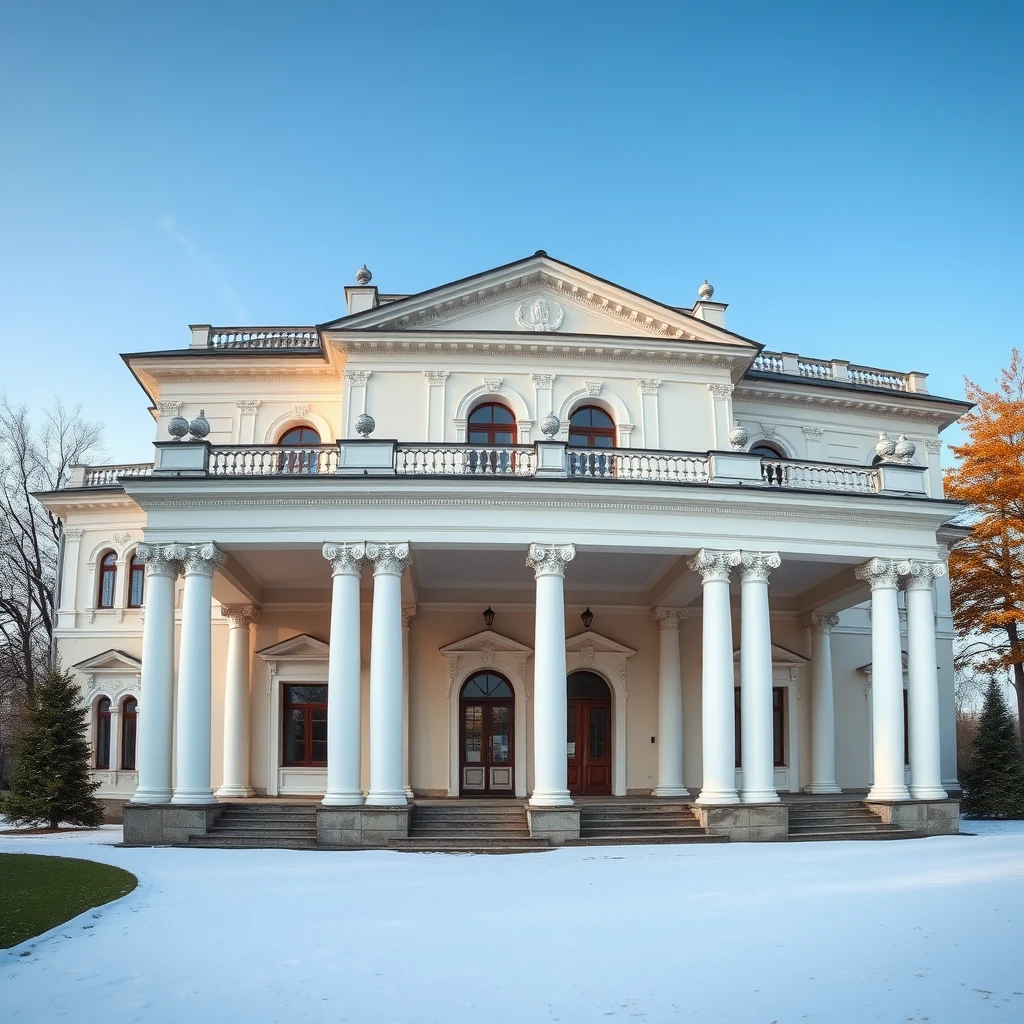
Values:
[(842, 385)]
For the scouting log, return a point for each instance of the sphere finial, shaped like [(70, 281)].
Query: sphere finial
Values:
[(705, 291), (363, 275)]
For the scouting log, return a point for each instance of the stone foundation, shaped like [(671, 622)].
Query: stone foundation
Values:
[(556, 824), (167, 824), (745, 823), (113, 809), (361, 826), (933, 817)]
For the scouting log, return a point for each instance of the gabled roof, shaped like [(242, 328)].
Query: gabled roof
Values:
[(109, 661), (498, 643), (628, 313), (301, 647), (599, 644)]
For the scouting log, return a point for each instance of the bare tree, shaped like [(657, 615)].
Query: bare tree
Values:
[(33, 457)]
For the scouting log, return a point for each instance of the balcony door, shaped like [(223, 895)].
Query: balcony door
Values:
[(589, 735), (591, 427), (486, 736), (492, 427)]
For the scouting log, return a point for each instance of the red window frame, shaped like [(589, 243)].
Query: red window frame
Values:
[(589, 435), (300, 436), (136, 582), (106, 592), (485, 431), (778, 726), (103, 733), (307, 708), (129, 733)]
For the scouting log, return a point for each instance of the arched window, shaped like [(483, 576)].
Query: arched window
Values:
[(299, 461), (767, 451), (103, 732), (491, 425), (486, 736), (129, 732), (108, 581), (591, 427), (136, 582)]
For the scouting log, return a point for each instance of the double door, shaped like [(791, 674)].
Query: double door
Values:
[(589, 747), (487, 748)]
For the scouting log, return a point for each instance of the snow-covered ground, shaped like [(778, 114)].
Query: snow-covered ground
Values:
[(925, 930)]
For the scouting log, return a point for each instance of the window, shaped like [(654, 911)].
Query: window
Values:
[(767, 451), (129, 732), (591, 427), (487, 685), (300, 435), (778, 727), (299, 461), (491, 424), (108, 581), (906, 732), (103, 732), (305, 725), (136, 582)]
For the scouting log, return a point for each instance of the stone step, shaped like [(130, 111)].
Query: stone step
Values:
[(840, 834), (469, 839), (655, 819), (481, 815), (443, 847), (270, 808), (263, 830), (641, 830), (635, 840), (832, 812), (827, 822), (270, 819), (518, 825), (263, 842)]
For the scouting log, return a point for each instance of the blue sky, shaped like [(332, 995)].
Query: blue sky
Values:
[(847, 175)]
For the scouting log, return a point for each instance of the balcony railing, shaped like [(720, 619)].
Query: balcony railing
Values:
[(794, 365), (545, 460), (249, 338)]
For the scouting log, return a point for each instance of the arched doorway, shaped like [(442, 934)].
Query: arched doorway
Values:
[(486, 736), (591, 427), (589, 735), (492, 426)]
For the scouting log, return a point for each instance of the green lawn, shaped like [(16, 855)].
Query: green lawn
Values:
[(38, 893)]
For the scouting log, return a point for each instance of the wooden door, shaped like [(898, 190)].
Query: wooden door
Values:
[(589, 747), (487, 748)]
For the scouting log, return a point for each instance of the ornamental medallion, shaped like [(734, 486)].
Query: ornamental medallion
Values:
[(539, 315)]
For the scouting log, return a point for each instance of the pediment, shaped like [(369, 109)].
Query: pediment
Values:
[(109, 661), (486, 640), (596, 644), (298, 648), (540, 298), (781, 656)]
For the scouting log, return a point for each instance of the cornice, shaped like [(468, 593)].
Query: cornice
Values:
[(797, 396)]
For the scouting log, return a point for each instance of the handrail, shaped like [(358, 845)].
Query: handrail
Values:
[(793, 365), (264, 337), (638, 464), (819, 476), (106, 476), (426, 459), (273, 460)]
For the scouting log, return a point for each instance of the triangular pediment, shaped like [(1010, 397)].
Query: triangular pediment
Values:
[(598, 644), (540, 298), (780, 656), (298, 648), (487, 639), (109, 661)]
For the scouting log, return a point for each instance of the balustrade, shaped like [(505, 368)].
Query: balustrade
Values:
[(823, 369), (637, 464), (465, 460), (106, 476), (273, 460), (264, 337), (819, 476)]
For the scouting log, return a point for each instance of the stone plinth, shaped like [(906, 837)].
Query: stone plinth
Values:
[(745, 823), (166, 824), (933, 817), (556, 824), (361, 826)]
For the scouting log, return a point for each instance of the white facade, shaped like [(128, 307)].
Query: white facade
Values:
[(805, 578)]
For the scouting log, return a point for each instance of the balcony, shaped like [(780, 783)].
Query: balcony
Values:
[(543, 460), (790, 364)]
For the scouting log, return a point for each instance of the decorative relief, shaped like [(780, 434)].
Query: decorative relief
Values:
[(811, 433), (921, 575), (240, 615), (821, 623), (453, 668), (586, 653), (168, 408), (203, 559), (120, 539), (720, 390), (543, 381), (248, 406), (593, 387), (357, 378), (162, 559), (550, 559), (408, 614), (880, 573), (757, 565), (436, 376), (345, 559), (669, 618), (388, 559), (302, 409), (649, 385), (487, 653), (768, 430), (493, 384), (111, 687), (714, 566), (73, 533), (540, 315), (933, 445)]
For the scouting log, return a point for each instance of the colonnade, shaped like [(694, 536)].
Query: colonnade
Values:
[(389, 674)]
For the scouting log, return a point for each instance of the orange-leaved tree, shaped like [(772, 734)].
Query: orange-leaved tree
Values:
[(986, 569)]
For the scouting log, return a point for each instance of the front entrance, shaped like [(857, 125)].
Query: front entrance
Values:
[(589, 735), (486, 741)]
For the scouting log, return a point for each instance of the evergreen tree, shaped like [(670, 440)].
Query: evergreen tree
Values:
[(993, 781), (51, 781)]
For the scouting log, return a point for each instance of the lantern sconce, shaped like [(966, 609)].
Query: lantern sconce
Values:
[(588, 618), (489, 617)]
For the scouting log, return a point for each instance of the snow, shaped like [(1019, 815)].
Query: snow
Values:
[(920, 930)]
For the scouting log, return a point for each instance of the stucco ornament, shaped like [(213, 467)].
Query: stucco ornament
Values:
[(705, 291), (540, 315), (886, 447), (738, 436), (487, 654), (365, 424), (177, 427), (904, 449), (587, 653), (363, 275), (549, 426), (550, 559), (200, 426)]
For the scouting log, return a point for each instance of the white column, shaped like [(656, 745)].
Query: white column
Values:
[(344, 678), (194, 677), (408, 614), (923, 682), (156, 699), (756, 678), (823, 717), (236, 701), (718, 723), (886, 680), (670, 704), (386, 729), (550, 767)]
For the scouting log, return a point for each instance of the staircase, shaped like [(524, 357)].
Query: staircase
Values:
[(622, 823), (262, 826), (834, 819), (469, 828)]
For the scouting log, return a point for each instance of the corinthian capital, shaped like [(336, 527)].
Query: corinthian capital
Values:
[(162, 559), (240, 615), (881, 573), (757, 565), (203, 559), (345, 559), (714, 566), (669, 618), (921, 575), (550, 559), (408, 614), (821, 623), (388, 559)]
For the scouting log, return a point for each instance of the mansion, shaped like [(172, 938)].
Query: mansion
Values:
[(527, 537)]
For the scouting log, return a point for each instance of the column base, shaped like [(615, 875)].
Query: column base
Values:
[(718, 796), (888, 793), (193, 797), (759, 796), (822, 788), (554, 798), (152, 796), (352, 798), (671, 791), (387, 798), (234, 791), (927, 793), (409, 794)]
